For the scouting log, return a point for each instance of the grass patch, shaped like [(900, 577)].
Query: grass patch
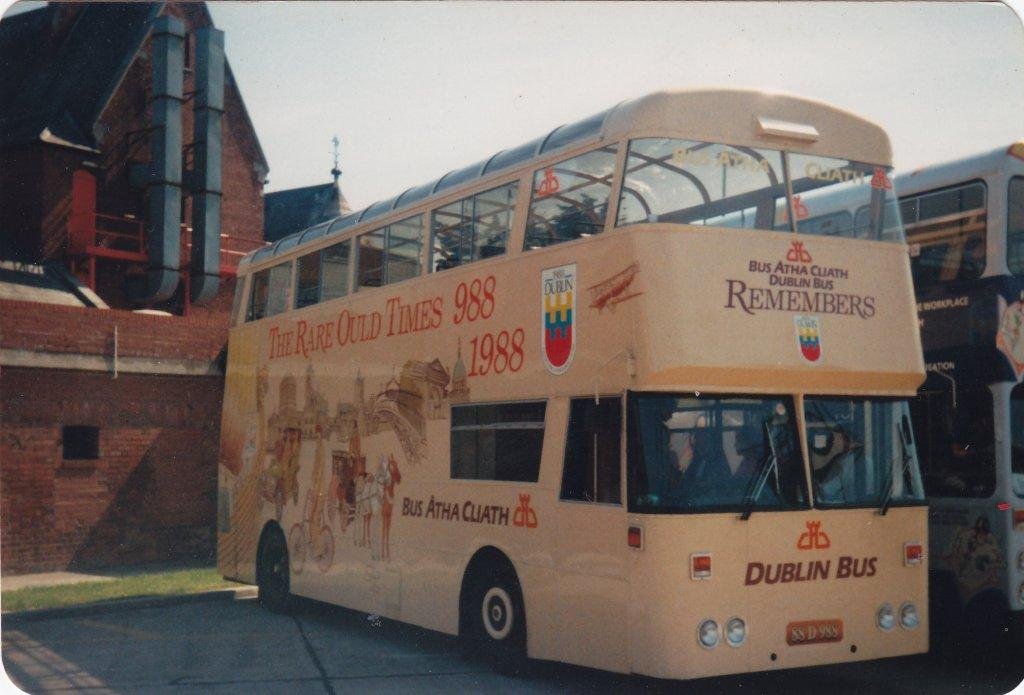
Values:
[(176, 582)]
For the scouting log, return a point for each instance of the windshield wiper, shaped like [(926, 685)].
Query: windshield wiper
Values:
[(763, 471), (905, 455)]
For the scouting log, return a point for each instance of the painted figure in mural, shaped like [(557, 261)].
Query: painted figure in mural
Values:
[(975, 557), (318, 497), (283, 472), (389, 477), (363, 512), (345, 469), (341, 479), (290, 465)]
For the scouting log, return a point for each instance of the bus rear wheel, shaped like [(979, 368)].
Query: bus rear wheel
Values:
[(494, 620), (272, 572)]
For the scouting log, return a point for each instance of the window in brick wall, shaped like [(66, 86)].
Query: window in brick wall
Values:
[(81, 442)]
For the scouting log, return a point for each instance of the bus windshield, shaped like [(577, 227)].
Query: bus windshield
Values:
[(862, 452), (714, 453), (956, 439), (713, 184), (1017, 440)]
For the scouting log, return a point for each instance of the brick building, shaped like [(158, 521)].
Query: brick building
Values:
[(131, 179)]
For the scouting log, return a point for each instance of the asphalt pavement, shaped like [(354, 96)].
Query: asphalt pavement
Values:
[(231, 645)]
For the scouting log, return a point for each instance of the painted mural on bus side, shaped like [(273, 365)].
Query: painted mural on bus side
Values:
[(354, 446)]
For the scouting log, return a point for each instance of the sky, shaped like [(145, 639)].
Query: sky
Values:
[(413, 90)]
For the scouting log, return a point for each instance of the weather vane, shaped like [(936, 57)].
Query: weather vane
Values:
[(335, 172)]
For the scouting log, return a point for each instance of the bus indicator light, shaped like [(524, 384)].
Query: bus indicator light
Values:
[(1003, 506), (1016, 150), (912, 554), (635, 537), (700, 566)]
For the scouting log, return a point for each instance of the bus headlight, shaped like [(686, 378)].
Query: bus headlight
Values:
[(735, 632), (908, 616), (885, 619), (707, 633)]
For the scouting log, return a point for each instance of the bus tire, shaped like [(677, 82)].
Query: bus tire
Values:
[(273, 577), (493, 617)]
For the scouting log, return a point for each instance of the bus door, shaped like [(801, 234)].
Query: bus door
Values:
[(592, 553), (954, 429)]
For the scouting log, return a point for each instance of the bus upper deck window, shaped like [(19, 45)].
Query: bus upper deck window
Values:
[(391, 254), (323, 275), (270, 290), (1017, 438), (946, 230), (691, 182), (473, 228), (570, 199), (236, 302)]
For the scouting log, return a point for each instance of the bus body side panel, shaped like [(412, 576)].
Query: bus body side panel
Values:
[(238, 470)]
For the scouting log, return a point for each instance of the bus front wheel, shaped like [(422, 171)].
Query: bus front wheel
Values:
[(272, 572)]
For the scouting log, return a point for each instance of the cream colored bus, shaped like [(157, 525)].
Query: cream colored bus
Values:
[(613, 398)]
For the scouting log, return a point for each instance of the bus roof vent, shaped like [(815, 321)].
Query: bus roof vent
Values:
[(786, 129)]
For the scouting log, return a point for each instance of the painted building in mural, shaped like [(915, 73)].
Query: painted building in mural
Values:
[(109, 417)]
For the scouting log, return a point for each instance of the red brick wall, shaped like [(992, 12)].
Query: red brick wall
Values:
[(151, 495), (77, 330)]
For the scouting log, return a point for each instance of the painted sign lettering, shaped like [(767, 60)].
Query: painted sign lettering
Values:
[(805, 287)]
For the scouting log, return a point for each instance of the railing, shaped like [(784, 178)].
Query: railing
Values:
[(109, 236), (232, 249)]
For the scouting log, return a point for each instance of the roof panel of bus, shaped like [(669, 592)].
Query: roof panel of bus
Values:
[(460, 176), (344, 222), (951, 172), (574, 132), (379, 208), (315, 232), (507, 158), (710, 115), (698, 114)]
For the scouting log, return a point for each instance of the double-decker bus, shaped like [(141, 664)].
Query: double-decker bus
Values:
[(606, 398), (964, 222)]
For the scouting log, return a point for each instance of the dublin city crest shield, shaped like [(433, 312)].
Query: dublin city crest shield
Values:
[(558, 317), (808, 337)]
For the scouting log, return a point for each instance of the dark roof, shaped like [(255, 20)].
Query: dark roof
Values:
[(63, 82), (60, 78), (295, 209)]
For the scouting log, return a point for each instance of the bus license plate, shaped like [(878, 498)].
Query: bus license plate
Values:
[(814, 632)]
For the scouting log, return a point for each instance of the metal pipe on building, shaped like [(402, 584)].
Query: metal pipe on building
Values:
[(205, 179), (162, 175)]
